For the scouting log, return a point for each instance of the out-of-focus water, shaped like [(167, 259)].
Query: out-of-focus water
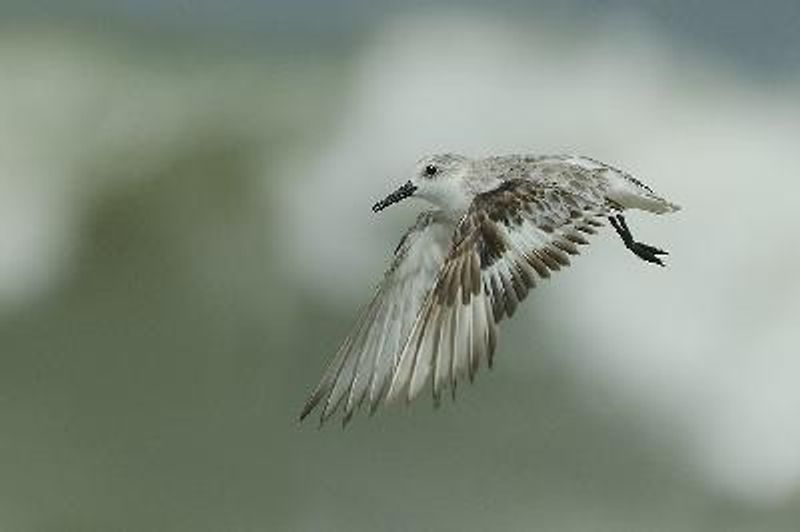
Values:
[(171, 283)]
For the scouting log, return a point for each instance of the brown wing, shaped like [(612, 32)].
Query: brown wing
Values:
[(510, 238)]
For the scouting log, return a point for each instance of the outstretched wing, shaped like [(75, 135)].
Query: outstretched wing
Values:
[(510, 237), (363, 366)]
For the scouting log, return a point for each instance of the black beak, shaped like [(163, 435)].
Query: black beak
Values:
[(398, 195)]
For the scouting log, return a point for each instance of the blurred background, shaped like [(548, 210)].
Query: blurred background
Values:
[(185, 238)]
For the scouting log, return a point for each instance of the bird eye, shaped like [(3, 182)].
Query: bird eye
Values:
[(431, 170)]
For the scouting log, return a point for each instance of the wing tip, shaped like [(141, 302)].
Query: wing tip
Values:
[(310, 405)]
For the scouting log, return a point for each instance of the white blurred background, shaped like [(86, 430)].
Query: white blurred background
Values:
[(186, 237)]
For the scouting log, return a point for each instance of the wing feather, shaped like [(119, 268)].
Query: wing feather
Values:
[(510, 237), (363, 366)]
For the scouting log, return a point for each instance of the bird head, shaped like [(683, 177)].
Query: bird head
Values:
[(436, 178)]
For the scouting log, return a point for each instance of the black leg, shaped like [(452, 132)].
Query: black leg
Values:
[(643, 251)]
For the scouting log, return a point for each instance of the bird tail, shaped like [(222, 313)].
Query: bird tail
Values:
[(662, 206), (630, 193)]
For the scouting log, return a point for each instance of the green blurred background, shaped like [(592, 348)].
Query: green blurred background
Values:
[(185, 237)]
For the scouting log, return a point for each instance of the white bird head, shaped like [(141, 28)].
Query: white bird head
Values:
[(439, 179)]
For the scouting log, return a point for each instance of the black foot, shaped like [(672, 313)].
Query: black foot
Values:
[(643, 251), (648, 253)]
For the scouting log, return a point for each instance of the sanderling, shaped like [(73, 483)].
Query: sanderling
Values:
[(499, 226)]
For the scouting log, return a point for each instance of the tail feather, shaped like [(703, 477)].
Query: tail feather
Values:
[(630, 193), (662, 206)]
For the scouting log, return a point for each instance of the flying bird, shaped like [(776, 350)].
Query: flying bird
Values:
[(499, 226)]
